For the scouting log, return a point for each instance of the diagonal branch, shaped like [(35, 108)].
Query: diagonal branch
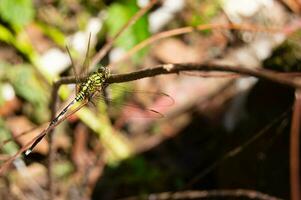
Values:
[(190, 29)]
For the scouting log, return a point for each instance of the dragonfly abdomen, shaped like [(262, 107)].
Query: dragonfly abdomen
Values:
[(62, 113)]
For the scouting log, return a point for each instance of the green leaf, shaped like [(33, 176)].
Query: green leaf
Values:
[(55, 34), (6, 35), (63, 169), (10, 148), (20, 41), (118, 15), (16, 12), (28, 86)]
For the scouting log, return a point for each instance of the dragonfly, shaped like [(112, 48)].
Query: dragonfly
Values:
[(94, 83)]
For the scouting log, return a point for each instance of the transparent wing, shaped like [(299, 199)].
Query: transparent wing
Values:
[(135, 103), (85, 68)]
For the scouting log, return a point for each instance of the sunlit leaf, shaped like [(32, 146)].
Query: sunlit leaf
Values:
[(16, 12), (27, 86), (118, 15), (5, 34)]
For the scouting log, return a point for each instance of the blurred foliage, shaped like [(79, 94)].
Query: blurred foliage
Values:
[(286, 57), (53, 33), (29, 87), (11, 147), (137, 173), (20, 41), (208, 9), (56, 21), (141, 171), (6, 35), (63, 169), (17, 12), (118, 15), (2, 99)]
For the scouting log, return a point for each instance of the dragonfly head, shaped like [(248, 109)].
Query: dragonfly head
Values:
[(104, 71)]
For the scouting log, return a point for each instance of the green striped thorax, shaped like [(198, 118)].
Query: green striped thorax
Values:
[(93, 83)]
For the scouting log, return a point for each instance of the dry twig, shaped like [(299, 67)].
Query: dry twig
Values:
[(202, 194), (294, 148)]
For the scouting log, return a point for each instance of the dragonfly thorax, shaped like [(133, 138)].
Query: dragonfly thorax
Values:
[(92, 84)]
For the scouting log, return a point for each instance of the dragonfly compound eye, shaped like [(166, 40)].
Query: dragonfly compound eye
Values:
[(103, 70)]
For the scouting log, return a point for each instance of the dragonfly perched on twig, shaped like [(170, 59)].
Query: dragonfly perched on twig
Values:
[(93, 85)]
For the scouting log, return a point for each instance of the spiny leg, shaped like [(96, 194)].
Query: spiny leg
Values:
[(105, 94)]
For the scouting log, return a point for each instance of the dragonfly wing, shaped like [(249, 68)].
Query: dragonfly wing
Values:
[(74, 70), (136, 103), (86, 63)]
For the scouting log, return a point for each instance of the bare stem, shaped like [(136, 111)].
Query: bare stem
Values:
[(190, 29), (264, 74), (205, 194), (177, 68), (294, 148), (51, 152)]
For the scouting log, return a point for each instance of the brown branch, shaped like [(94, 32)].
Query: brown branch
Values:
[(264, 74), (104, 50), (177, 68), (202, 194), (294, 148)]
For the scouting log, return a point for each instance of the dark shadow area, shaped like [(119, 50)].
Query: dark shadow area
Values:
[(262, 166)]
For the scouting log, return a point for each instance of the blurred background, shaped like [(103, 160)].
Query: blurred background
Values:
[(117, 150)]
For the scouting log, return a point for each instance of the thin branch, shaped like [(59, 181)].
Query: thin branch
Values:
[(177, 68), (51, 152), (204, 194), (190, 29), (294, 148), (212, 74), (185, 67), (104, 50)]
